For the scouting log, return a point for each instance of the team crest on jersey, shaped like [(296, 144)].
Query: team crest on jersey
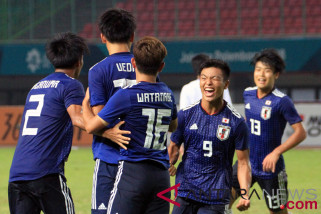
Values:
[(266, 112), (223, 132), (268, 102)]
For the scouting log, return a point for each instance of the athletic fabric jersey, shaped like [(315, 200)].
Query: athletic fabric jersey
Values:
[(266, 119), (209, 143), (104, 79), (147, 109), (46, 129)]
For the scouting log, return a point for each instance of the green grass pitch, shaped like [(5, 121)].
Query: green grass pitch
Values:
[(303, 168)]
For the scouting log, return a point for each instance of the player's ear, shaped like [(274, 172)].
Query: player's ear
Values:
[(132, 37), (277, 75), (103, 38), (133, 62), (227, 83)]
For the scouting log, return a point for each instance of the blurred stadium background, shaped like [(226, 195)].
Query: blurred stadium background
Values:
[(232, 30)]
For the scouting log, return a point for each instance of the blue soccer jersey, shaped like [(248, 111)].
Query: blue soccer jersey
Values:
[(205, 173), (46, 129), (266, 119), (147, 109), (104, 79)]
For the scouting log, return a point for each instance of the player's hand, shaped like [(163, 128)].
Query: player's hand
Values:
[(172, 170), (244, 204), (86, 99), (270, 161), (117, 135), (87, 96)]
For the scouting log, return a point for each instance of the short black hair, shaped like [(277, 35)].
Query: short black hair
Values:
[(270, 57), (197, 61), (149, 54), (65, 50), (217, 63), (117, 25)]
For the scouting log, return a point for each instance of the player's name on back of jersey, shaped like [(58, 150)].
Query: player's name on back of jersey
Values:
[(46, 84), (125, 67), (154, 97)]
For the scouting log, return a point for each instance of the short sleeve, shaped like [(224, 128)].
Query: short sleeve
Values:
[(97, 87), (118, 105), (178, 136), (174, 111), (73, 93), (242, 136), (288, 111)]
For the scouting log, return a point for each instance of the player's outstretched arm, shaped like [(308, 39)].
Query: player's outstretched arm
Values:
[(297, 137), (76, 117), (93, 123), (244, 176)]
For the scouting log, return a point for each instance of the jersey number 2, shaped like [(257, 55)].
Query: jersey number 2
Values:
[(33, 113), (155, 129)]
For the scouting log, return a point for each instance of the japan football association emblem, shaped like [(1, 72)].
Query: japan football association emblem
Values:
[(223, 132), (266, 112)]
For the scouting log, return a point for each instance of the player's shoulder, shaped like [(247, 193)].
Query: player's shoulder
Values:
[(277, 93), (99, 64), (250, 90), (190, 107), (233, 112)]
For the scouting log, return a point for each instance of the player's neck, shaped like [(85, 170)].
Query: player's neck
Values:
[(140, 77), (69, 72), (212, 107), (117, 47), (263, 92)]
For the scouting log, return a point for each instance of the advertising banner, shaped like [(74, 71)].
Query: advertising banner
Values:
[(300, 54), (10, 119)]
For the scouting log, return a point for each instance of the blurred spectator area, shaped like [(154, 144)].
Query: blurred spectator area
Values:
[(189, 19), (166, 19)]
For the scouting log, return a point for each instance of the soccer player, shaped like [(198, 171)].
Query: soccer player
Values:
[(149, 111), (53, 106), (211, 130), (105, 78), (267, 111), (191, 92)]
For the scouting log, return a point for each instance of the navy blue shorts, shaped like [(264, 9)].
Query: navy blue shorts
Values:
[(275, 190), (136, 188), (188, 206), (49, 194), (103, 183)]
